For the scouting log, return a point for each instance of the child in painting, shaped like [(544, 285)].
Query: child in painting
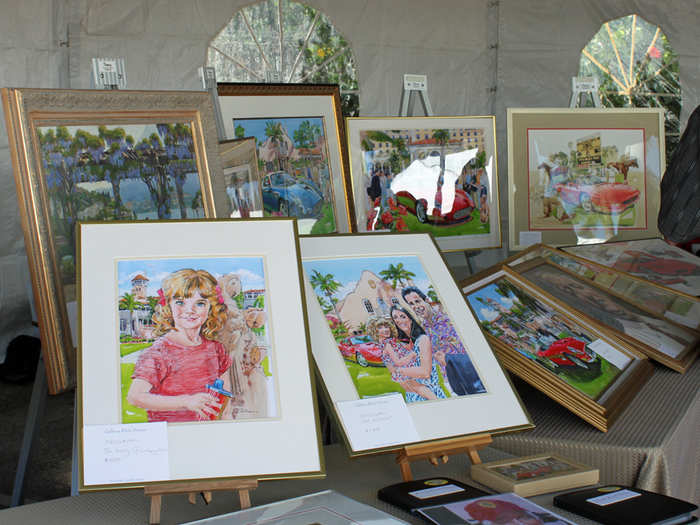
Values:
[(395, 354), (170, 377)]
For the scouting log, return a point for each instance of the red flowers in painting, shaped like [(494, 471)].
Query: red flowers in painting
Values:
[(390, 218)]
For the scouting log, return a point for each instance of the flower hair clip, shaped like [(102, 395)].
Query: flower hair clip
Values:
[(161, 295), (219, 295)]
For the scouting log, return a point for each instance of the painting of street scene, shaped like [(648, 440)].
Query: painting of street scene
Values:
[(586, 178), (194, 340), (125, 172), (542, 335), (391, 330), (427, 180), (293, 161)]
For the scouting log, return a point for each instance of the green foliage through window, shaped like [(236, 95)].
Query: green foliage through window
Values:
[(285, 41)]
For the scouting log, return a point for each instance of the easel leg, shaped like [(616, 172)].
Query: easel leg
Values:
[(155, 509), (406, 473), (37, 404), (244, 497)]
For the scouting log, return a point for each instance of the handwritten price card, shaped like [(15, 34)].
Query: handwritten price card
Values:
[(125, 453), (377, 422)]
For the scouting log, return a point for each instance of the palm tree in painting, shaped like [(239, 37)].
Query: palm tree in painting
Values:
[(273, 130), (128, 302), (328, 285), (397, 275), (441, 136)]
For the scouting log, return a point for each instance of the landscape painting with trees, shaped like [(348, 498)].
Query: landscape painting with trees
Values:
[(116, 172)]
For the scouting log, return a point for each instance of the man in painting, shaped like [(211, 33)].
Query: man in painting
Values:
[(448, 350)]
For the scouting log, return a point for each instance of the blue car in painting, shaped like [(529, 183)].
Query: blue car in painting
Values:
[(290, 197)]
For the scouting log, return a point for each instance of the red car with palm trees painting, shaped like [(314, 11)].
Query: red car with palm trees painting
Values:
[(607, 197), (362, 350)]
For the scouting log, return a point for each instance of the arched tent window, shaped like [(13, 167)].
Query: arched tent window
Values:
[(636, 67), (285, 41)]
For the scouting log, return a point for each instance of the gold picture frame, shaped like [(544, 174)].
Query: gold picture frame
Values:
[(243, 192), (301, 144), (574, 361), (583, 175), (65, 146), (532, 475)]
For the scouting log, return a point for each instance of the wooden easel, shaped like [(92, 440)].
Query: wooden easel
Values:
[(441, 450), (192, 488)]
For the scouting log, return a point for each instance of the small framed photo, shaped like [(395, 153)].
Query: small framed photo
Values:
[(427, 174), (196, 328), (533, 475), (577, 176), (386, 318), (100, 155), (651, 259), (658, 337), (243, 194), (300, 140), (575, 361)]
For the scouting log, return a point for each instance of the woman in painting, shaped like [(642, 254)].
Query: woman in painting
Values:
[(424, 368), (171, 377), (395, 354)]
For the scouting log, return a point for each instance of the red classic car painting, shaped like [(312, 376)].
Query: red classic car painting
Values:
[(611, 198), (461, 211), (571, 355), (362, 350)]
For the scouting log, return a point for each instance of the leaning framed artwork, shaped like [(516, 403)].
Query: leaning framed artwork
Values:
[(100, 155), (243, 195), (427, 174), (577, 176), (197, 328), (386, 318), (301, 149)]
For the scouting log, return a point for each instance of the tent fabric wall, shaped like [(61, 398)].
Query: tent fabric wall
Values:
[(481, 56)]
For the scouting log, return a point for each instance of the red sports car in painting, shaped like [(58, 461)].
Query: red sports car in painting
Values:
[(571, 355), (611, 198), (461, 211), (362, 350)]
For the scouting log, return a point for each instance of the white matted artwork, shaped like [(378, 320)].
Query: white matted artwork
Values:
[(173, 316), (385, 316)]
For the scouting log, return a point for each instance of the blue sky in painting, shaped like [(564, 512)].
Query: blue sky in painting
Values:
[(347, 271), (249, 269), (483, 312), (255, 127)]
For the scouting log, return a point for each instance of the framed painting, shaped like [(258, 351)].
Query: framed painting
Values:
[(100, 155), (427, 174), (386, 318), (660, 338), (243, 193), (573, 360), (202, 332), (300, 140), (532, 475), (578, 176), (651, 259)]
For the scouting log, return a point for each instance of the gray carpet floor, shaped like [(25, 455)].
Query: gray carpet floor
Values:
[(48, 474)]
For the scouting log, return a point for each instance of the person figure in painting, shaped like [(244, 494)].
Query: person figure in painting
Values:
[(448, 350), (170, 378), (395, 354), (423, 369)]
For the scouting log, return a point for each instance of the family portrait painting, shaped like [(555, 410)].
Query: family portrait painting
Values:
[(541, 334), (194, 342), (294, 169), (428, 180), (115, 172), (391, 329), (586, 178)]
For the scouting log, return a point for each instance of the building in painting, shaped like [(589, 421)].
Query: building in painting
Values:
[(139, 285), (249, 297)]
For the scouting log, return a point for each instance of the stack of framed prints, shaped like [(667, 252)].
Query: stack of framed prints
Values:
[(299, 134), (651, 259), (583, 175), (400, 356), (575, 361), (243, 195), (635, 319), (193, 356), (101, 155), (427, 174)]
